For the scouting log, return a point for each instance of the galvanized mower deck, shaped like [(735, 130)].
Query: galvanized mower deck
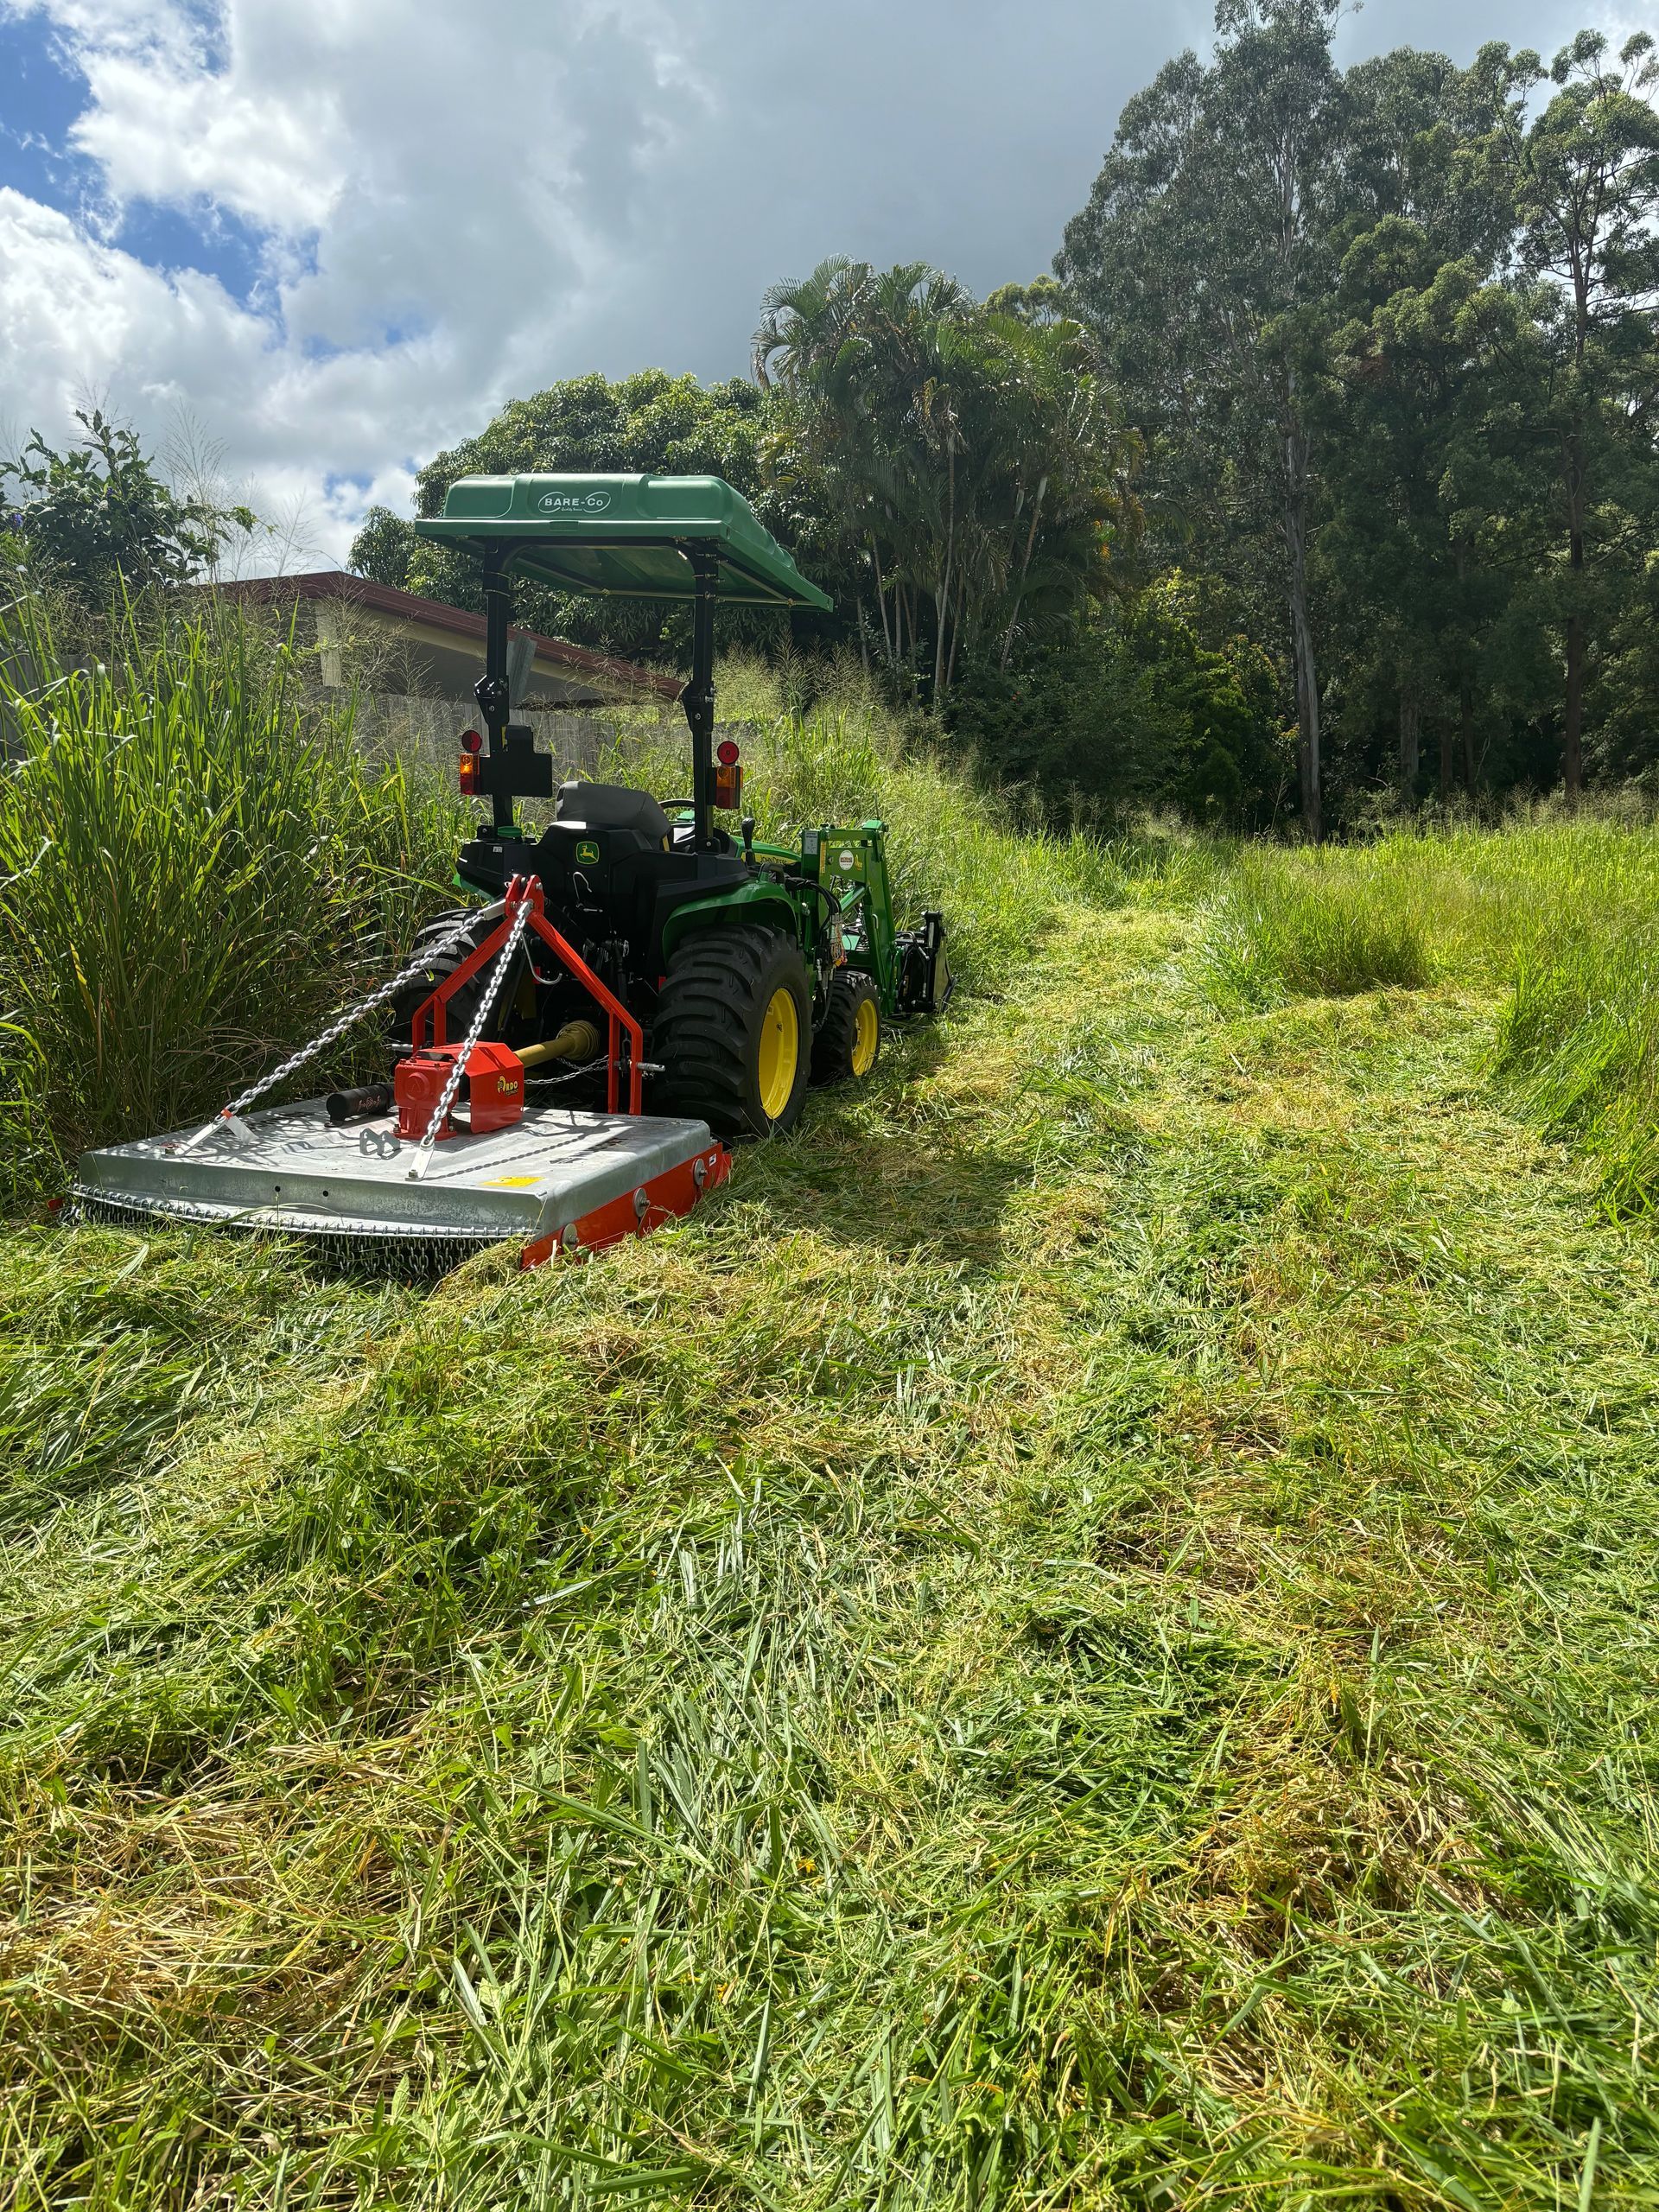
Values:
[(558, 1181), (413, 1188)]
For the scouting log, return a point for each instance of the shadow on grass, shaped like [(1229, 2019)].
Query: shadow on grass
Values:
[(901, 1194), (848, 1173)]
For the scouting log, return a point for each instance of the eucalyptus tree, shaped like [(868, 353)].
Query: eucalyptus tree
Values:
[(1588, 200), (1202, 263), (1432, 504), (1420, 498)]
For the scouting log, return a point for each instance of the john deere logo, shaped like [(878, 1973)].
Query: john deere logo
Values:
[(587, 851), (574, 503)]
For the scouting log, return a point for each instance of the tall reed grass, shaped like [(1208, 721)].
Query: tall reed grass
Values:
[(196, 866), (1558, 916)]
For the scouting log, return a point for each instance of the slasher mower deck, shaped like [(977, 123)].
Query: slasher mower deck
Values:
[(556, 1180)]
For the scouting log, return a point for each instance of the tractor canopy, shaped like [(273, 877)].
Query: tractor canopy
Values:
[(622, 537)]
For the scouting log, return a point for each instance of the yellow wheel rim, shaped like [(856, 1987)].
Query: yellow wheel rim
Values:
[(867, 1034), (780, 1052)]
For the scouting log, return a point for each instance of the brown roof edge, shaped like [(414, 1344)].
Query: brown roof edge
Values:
[(339, 583)]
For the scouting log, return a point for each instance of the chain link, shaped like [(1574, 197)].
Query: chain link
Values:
[(440, 1112), (240, 1103)]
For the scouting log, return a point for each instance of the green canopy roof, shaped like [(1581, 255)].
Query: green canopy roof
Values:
[(623, 536)]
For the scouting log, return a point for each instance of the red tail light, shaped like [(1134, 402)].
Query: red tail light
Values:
[(468, 772)]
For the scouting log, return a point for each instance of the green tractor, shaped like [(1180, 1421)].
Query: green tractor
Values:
[(753, 969)]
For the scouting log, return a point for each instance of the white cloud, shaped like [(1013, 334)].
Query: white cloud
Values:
[(161, 133), (435, 220)]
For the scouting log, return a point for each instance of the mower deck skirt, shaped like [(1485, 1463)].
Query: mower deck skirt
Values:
[(556, 1178)]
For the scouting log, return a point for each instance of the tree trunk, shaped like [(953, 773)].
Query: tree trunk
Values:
[(1446, 763), (1301, 633), (1025, 565), (1573, 760), (942, 596), (1572, 733), (1411, 733), (1467, 724), (863, 636), (881, 600)]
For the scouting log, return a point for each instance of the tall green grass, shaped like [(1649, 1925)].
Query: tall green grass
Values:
[(1289, 924), (1579, 1039), (1558, 917), (195, 867)]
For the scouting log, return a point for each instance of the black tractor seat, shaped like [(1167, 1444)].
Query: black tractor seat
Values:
[(612, 806)]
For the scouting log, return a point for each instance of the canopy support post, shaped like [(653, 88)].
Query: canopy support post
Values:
[(490, 691), (698, 696)]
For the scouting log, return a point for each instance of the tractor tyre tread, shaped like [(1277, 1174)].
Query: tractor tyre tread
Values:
[(461, 1009), (832, 1043), (718, 985)]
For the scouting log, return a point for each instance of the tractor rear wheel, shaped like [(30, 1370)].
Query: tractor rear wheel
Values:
[(732, 1032), (849, 1036), (436, 967)]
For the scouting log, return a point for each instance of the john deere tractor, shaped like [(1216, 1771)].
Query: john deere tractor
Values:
[(753, 968)]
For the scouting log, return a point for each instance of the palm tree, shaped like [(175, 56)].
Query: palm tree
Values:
[(965, 454)]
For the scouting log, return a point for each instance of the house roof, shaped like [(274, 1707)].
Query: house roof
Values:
[(434, 615)]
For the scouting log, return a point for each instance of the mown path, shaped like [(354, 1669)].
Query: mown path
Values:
[(1087, 1637)]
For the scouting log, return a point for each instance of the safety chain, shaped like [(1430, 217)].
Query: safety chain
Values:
[(552, 1082), (440, 1111), (232, 1114)]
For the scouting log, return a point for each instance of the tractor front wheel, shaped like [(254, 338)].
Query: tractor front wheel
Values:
[(732, 1032), (849, 1036)]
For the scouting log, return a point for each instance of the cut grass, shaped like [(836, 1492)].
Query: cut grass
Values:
[(1085, 1635)]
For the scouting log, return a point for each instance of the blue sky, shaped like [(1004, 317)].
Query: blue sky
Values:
[(311, 241)]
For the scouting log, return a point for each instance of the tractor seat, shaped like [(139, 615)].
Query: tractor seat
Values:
[(612, 806)]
